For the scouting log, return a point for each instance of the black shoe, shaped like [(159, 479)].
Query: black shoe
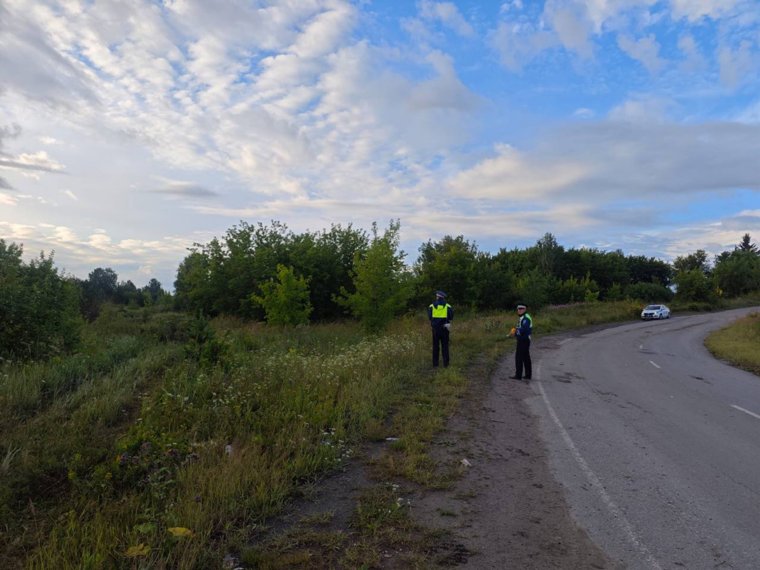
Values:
[(527, 380), (515, 378)]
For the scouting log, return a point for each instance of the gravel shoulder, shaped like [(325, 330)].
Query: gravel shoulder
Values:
[(507, 510)]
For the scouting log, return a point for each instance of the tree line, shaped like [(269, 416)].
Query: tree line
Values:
[(268, 272)]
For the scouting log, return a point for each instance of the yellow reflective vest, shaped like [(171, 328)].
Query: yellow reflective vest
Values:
[(440, 311)]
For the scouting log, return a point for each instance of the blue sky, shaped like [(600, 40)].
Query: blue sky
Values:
[(131, 130)]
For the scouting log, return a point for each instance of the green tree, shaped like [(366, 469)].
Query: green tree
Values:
[(153, 292), (100, 287), (649, 292), (327, 258), (192, 287), (285, 301), (747, 245), (648, 270), (534, 288), (694, 285), (128, 294), (738, 273), (694, 261), (548, 254), (448, 265), (39, 309), (494, 283), (381, 283)]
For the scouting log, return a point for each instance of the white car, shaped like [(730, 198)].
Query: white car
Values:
[(655, 312)]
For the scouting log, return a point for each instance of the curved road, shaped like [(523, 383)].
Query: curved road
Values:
[(656, 442)]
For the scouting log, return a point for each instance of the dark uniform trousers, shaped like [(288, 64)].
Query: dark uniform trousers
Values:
[(522, 358), (440, 343)]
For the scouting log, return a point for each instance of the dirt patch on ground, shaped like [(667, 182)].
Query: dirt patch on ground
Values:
[(507, 510)]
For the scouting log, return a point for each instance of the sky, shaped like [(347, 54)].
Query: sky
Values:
[(131, 130)]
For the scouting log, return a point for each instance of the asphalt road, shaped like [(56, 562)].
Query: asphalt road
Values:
[(656, 443)]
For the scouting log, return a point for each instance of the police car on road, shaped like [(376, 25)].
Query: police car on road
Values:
[(655, 312)]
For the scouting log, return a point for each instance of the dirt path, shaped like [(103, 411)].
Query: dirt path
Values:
[(507, 510)]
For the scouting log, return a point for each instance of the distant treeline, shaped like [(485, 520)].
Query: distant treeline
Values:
[(268, 272)]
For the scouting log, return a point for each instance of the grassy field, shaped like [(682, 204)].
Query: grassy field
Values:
[(738, 343), (169, 441)]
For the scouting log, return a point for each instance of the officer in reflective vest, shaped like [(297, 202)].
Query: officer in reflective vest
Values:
[(440, 314), (522, 333)]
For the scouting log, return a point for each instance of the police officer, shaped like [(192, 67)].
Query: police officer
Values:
[(440, 314), (522, 332)]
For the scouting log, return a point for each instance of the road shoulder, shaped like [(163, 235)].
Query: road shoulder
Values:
[(507, 510)]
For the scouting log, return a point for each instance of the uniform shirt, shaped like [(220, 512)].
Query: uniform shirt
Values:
[(524, 326)]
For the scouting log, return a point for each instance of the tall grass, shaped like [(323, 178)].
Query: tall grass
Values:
[(738, 343), (217, 448), (155, 452)]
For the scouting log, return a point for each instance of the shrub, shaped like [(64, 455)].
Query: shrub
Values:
[(649, 292), (38, 307), (285, 301)]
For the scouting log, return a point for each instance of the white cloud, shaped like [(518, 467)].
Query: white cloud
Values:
[(7, 199), (694, 60), (511, 175), (63, 234), (644, 50), (736, 64), (31, 161), (448, 14), (602, 162), (751, 114), (518, 44), (573, 30), (583, 113), (641, 110), (693, 10)]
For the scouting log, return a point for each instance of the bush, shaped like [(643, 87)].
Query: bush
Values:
[(694, 285), (285, 301), (169, 327), (649, 292), (39, 309)]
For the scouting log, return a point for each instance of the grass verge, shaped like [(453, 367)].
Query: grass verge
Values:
[(738, 343), (174, 446)]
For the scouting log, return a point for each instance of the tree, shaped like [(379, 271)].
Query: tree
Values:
[(696, 261), (192, 287), (548, 253), (649, 292), (747, 245), (648, 270), (381, 283), (39, 308), (448, 265), (693, 285), (100, 287), (494, 283), (285, 301), (127, 294), (153, 291), (738, 273)]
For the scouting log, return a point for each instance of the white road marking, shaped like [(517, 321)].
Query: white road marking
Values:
[(612, 507), (653, 364), (753, 414)]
